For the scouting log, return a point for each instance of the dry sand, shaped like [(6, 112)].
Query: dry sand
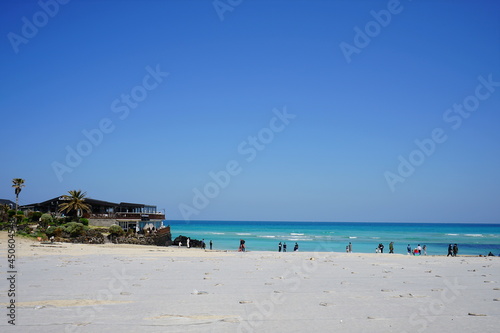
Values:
[(130, 288)]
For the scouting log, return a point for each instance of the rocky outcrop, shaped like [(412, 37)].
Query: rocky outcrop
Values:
[(183, 240)]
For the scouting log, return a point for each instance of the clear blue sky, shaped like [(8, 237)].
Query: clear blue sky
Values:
[(357, 113)]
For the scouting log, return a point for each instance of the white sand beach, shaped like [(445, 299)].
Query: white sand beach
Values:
[(129, 288)]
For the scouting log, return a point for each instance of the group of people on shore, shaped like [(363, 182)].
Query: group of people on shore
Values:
[(452, 250), (380, 249), (283, 247)]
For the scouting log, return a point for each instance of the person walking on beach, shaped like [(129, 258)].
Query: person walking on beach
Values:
[(450, 250), (349, 247), (203, 245), (425, 249), (296, 247), (455, 250), (188, 242), (381, 248), (210, 244), (419, 248), (284, 247), (391, 247), (279, 247), (408, 249)]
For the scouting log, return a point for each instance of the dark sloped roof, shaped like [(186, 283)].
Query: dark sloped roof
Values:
[(7, 202)]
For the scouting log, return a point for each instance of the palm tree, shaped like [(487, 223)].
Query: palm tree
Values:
[(75, 202), (17, 184)]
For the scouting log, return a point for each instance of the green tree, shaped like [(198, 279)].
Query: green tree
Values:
[(4, 213), (17, 184), (45, 220), (75, 203)]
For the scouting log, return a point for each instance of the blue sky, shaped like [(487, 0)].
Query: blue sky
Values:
[(171, 91)]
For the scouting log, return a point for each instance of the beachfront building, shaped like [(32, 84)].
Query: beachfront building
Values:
[(105, 213), (9, 203)]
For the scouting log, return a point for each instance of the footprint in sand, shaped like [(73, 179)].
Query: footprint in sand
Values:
[(386, 290), (245, 302)]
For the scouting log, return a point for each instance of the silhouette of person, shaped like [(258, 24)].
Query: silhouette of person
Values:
[(450, 250), (279, 247)]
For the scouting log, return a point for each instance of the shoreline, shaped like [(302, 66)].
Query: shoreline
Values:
[(183, 249)]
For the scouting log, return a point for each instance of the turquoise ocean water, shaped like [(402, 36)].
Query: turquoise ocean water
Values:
[(473, 239)]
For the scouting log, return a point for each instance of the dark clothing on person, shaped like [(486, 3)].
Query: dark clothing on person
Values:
[(391, 247), (284, 247), (455, 250), (450, 250), (381, 247), (210, 245), (296, 247), (279, 247)]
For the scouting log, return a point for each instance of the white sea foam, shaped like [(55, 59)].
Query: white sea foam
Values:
[(352, 237), (265, 236), (217, 233), (474, 235), (294, 234), (451, 234), (243, 233)]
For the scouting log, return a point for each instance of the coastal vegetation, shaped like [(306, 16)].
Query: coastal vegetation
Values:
[(17, 184), (75, 204)]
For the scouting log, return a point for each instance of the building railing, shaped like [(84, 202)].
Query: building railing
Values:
[(134, 216)]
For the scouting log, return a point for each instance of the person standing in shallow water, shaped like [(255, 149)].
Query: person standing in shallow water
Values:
[(296, 247), (279, 247), (284, 247), (391, 247), (455, 250), (210, 244), (349, 247), (425, 249), (408, 249)]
